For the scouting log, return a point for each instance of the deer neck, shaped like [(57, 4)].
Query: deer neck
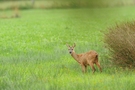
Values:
[(75, 56)]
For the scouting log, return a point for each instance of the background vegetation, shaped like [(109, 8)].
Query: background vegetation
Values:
[(50, 4)]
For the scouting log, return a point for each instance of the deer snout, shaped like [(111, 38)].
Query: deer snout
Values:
[(70, 52)]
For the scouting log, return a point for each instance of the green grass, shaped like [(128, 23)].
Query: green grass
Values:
[(34, 56)]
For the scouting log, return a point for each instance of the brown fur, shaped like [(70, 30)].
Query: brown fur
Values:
[(85, 59)]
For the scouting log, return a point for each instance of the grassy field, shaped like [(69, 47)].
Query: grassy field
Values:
[(34, 56)]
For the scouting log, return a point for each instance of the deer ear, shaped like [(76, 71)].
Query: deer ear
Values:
[(74, 45), (67, 45)]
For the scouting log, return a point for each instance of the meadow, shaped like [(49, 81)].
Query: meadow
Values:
[(34, 55)]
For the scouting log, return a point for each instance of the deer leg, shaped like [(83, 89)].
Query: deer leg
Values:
[(83, 68), (92, 66), (97, 63)]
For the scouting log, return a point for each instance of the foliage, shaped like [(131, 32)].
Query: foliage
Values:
[(51, 4), (121, 42)]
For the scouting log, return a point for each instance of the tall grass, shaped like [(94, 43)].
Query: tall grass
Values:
[(33, 52), (120, 41)]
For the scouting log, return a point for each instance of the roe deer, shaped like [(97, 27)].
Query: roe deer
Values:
[(85, 59)]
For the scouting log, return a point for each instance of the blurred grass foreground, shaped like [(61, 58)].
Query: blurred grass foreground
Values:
[(49, 4)]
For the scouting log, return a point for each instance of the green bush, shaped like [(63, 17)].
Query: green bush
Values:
[(120, 41)]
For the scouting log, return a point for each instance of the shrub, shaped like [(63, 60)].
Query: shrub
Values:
[(120, 40)]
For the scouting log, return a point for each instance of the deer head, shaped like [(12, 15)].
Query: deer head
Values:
[(71, 48)]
